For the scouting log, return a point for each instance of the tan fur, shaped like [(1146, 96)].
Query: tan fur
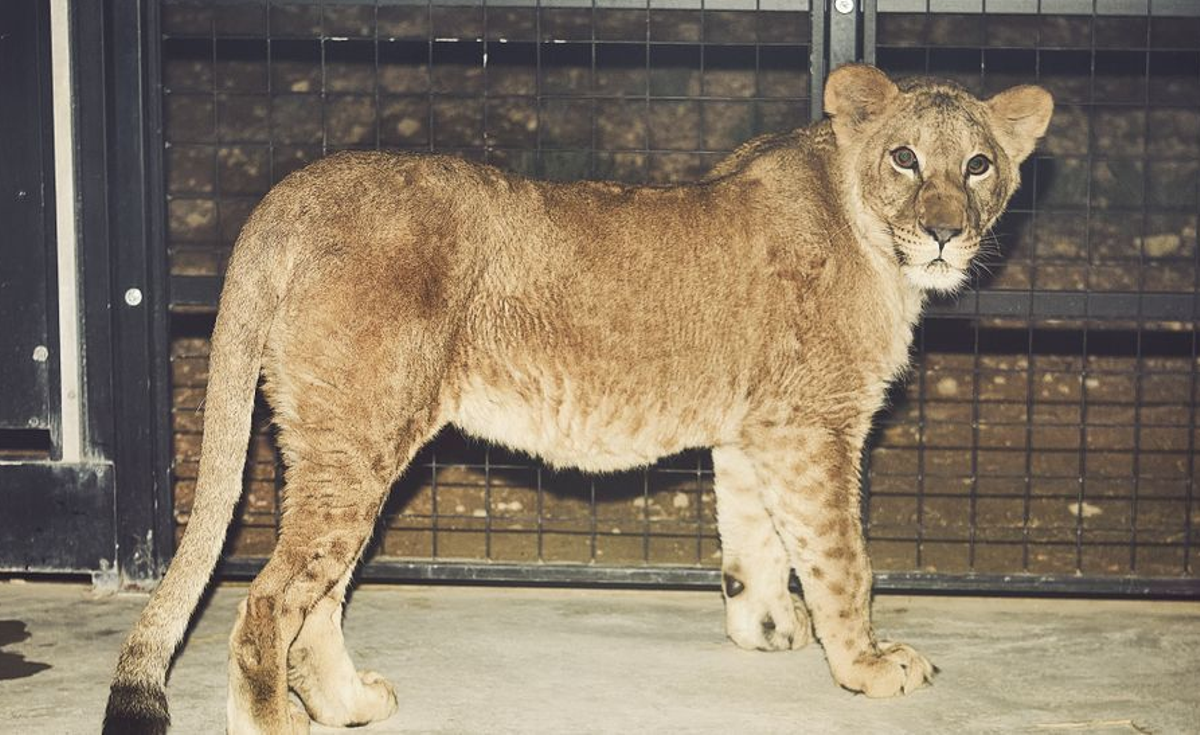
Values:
[(762, 311)]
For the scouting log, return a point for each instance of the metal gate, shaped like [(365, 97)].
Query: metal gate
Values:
[(1045, 442)]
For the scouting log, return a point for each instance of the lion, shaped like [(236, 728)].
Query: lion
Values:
[(762, 311)]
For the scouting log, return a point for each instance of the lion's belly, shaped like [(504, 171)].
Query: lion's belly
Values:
[(569, 427)]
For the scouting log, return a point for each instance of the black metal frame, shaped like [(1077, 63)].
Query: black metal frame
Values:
[(141, 382), (110, 514), (682, 577)]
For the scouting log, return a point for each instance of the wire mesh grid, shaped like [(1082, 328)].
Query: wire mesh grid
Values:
[(625, 91), (1020, 444), (1059, 446), (634, 91)]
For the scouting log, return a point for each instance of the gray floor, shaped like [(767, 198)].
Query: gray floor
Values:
[(483, 660)]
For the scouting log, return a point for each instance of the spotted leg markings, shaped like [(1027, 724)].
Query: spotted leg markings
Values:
[(813, 500)]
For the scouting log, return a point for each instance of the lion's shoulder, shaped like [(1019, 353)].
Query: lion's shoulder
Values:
[(815, 139)]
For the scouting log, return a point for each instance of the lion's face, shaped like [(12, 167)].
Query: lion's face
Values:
[(931, 167), (935, 179)]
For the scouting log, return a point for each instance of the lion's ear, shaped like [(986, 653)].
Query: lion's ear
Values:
[(1021, 115), (855, 93)]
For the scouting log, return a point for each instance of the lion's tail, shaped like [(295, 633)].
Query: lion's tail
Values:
[(137, 702)]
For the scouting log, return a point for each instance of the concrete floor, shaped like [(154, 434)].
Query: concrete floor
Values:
[(486, 660)]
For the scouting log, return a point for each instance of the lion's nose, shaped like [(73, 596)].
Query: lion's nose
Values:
[(943, 235)]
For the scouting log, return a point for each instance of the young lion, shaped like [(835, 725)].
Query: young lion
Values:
[(762, 312)]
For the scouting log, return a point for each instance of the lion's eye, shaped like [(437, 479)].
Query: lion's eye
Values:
[(978, 165), (904, 158)]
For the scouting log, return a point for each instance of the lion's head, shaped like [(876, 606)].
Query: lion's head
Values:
[(930, 167)]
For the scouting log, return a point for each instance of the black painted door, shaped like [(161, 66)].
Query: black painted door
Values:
[(56, 512), (27, 355)]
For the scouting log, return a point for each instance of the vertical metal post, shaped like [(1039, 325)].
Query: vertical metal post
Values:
[(843, 33), (835, 41), (870, 12), (90, 132), (139, 293), (69, 353), (839, 24), (818, 65)]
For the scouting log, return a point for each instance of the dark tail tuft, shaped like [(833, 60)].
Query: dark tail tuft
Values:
[(136, 709)]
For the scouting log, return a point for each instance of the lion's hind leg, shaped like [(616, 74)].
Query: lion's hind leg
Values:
[(330, 509), (321, 537), (760, 611), (321, 673), (352, 411)]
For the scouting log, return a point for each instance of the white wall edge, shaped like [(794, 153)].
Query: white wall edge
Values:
[(69, 353)]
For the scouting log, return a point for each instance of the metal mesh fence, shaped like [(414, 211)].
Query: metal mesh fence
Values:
[(625, 91), (620, 91), (1060, 445), (1049, 425)]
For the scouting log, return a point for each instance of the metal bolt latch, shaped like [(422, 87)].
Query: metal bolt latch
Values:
[(844, 6), (133, 296)]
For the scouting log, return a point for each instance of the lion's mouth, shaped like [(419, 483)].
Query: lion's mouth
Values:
[(927, 266), (937, 274)]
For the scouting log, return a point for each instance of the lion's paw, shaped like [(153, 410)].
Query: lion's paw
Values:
[(380, 703), (779, 624), (893, 670), (364, 699)]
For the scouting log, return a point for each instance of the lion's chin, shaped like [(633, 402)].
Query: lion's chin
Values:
[(936, 275)]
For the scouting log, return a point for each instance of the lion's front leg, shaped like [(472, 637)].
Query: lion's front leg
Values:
[(811, 491), (760, 611)]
